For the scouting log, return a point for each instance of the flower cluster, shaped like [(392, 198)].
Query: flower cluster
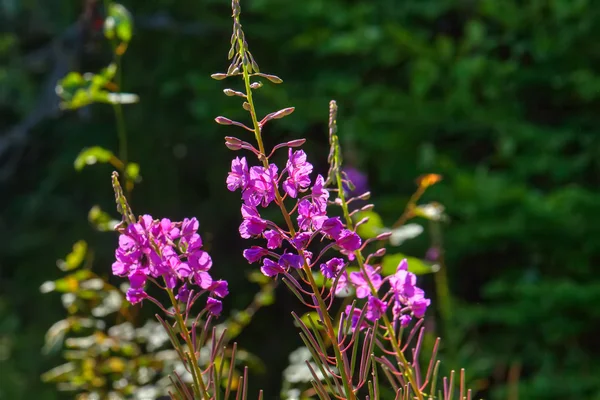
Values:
[(406, 298), (166, 252), (259, 187)]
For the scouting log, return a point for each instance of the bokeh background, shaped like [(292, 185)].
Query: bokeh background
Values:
[(502, 98)]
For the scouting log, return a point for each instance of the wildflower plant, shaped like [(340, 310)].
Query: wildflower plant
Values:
[(364, 326)]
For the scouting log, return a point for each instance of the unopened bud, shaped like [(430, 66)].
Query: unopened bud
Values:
[(362, 221), (219, 76), (272, 78), (256, 85), (364, 196), (383, 236), (282, 113), (233, 143), (223, 121), (368, 207), (380, 253), (231, 92), (295, 143)]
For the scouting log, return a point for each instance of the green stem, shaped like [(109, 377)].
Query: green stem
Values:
[(199, 386), (346, 380)]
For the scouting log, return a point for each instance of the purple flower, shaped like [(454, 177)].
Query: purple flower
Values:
[(288, 260), (238, 177), (375, 308), (320, 195), (214, 306), (310, 215), (190, 240), (298, 173), (252, 225), (332, 227), (134, 296), (183, 294), (137, 279), (405, 320), (261, 186), (403, 282), (167, 251), (331, 268), (202, 279), (334, 269), (418, 303), (254, 254), (300, 241), (360, 282), (200, 260), (348, 240), (219, 288), (270, 268), (355, 314), (274, 238)]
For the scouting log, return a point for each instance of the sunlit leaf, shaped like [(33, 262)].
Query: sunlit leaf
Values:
[(390, 263), (101, 220), (373, 227), (133, 172), (74, 258), (118, 24), (91, 156)]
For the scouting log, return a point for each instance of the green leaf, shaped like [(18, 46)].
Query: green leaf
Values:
[(101, 220), (315, 317), (373, 227), (390, 263), (91, 156), (118, 23), (133, 172), (74, 258)]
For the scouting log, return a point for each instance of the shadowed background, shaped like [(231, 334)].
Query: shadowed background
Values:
[(499, 97)]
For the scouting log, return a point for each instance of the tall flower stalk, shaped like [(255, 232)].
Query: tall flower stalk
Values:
[(289, 252)]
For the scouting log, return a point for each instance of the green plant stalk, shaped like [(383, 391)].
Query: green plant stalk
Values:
[(444, 296), (199, 386), (323, 308), (121, 129), (359, 258)]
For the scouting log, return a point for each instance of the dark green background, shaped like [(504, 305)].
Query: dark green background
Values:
[(501, 97)]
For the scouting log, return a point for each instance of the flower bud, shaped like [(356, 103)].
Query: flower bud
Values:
[(383, 236), (295, 143), (380, 253), (219, 76), (364, 196), (223, 121), (233, 143), (282, 113), (246, 106), (256, 85), (272, 78), (368, 207)]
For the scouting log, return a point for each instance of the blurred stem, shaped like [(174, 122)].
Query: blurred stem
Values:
[(442, 289), (346, 380), (199, 387)]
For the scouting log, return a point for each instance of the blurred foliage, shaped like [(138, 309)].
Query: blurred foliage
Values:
[(499, 97)]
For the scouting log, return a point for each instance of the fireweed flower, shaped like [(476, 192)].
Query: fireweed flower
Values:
[(165, 251)]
